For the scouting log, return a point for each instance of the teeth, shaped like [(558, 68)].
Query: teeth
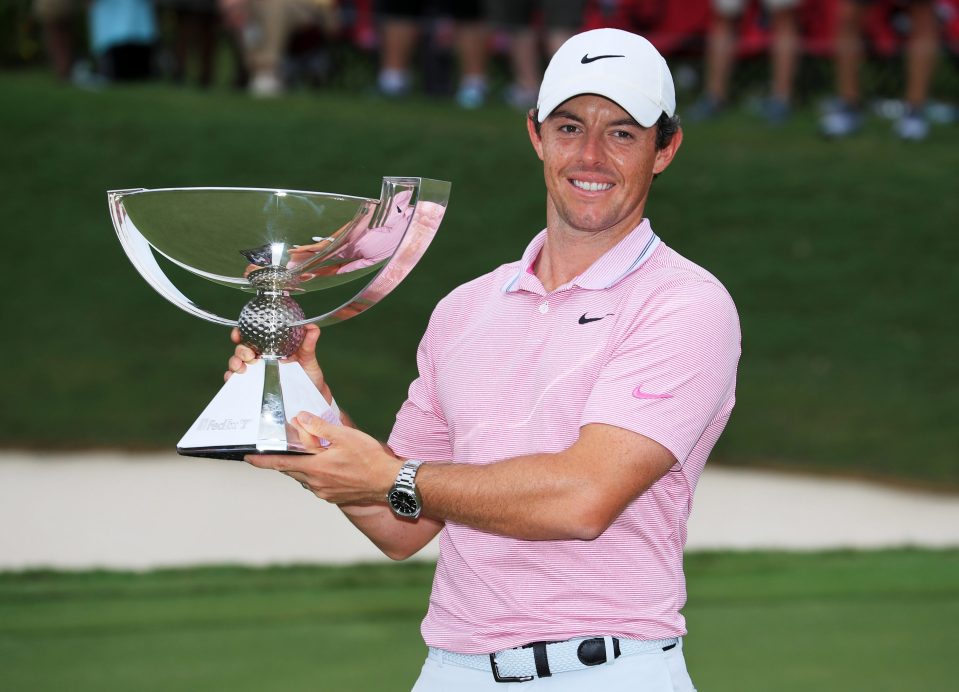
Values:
[(591, 187)]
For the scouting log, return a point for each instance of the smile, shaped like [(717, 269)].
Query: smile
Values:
[(591, 187)]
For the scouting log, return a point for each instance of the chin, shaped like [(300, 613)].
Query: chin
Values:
[(591, 224)]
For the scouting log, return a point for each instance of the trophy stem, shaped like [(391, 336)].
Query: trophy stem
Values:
[(273, 433)]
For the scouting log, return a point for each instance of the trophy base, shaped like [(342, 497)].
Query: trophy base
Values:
[(252, 414), (238, 453)]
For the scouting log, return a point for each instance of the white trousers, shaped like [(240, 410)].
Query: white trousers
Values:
[(657, 671)]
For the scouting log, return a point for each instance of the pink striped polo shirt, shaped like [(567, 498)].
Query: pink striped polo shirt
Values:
[(644, 340)]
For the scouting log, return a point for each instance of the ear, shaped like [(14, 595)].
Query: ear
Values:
[(534, 138), (664, 156)]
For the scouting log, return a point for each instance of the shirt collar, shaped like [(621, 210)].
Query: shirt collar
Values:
[(616, 264)]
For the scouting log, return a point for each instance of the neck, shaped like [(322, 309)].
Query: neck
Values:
[(568, 253)]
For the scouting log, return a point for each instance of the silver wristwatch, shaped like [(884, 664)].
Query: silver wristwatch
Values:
[(403, 498)]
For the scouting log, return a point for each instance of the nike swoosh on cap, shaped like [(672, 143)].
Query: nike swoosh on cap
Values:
[(587, 60)]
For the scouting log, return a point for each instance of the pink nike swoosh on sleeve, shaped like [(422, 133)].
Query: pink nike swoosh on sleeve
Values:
[(640, 394)]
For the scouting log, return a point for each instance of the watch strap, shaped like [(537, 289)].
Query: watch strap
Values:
[(406, 478)]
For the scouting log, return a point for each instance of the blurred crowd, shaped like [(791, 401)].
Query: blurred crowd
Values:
[(271, 45)]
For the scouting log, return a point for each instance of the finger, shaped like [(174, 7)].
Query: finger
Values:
[(235, 335), (311, 335), (236, 364), (312, 329), (306, 355), (317, 427), (245, 353), (261, 461), (309, 483), (301, 478), (306, 438), (276, 462)]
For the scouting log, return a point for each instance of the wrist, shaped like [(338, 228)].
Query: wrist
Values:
[(403, 496), (391, 470)]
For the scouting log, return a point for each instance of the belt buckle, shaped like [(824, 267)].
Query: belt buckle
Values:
[(498, 678)]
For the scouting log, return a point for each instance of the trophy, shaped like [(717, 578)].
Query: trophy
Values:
[(275, 244)]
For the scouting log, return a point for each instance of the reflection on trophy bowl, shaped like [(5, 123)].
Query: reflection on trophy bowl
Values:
[(276, 243)]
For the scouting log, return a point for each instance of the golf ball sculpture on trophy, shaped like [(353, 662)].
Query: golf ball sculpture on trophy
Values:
[(277, 244)]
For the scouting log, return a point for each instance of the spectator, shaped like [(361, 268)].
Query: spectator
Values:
[(265, 28), (195, 32), (560, 19), (57, 18), (721, 53), (401, 31), (123, 34), (845, 116)]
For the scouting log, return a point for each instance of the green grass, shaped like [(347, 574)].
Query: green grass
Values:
[(842, 258), (880, 621)]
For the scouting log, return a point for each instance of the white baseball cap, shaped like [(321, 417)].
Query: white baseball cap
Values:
[(621, 66)]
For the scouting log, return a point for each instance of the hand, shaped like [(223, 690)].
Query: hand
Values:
[(346, 466), (305, 356)]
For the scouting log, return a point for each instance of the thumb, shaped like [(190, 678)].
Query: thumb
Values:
[(306, 355), (307, 350), (317, 427)]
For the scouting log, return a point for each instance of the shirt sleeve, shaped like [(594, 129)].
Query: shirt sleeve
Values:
[(421, 431), (674, 372)]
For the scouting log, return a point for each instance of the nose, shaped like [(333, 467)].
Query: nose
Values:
[(593, 151)]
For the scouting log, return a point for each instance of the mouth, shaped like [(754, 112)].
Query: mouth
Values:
[(590, 186)]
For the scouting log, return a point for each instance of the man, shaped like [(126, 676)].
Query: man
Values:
[(564, 409), (58, 19), (557, 21), (845, 116), (264, 28), (402, 23), (721, 55)]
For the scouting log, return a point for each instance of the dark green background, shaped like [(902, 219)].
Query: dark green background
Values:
[(841, 256)]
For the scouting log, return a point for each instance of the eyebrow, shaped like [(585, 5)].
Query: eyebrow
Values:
[(572, 116), (564, 114)]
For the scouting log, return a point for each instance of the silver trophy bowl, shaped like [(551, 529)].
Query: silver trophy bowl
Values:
[(276, 245)]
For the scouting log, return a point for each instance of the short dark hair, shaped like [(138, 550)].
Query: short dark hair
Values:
[(666, 127)]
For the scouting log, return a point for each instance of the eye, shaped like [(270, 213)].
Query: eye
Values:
[(568, 129), (622, 134)]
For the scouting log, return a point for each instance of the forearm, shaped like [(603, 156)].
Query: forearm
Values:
[(530, 497), (537, 497), (397, 538), (573, 494)]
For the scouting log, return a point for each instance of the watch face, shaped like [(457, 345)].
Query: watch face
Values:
[(403, 502)]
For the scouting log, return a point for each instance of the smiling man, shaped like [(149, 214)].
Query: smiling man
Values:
[(565, 407)]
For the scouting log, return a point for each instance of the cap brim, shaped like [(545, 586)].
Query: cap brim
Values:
[(641, 108)]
